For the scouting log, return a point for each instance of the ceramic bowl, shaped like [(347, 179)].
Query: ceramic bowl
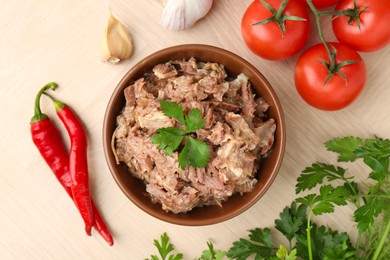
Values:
[(134, 189)]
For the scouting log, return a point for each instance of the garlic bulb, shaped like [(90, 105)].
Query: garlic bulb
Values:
[(116, 43), (182, 14)]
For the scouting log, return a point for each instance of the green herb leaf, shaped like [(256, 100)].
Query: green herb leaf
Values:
[(377, 148), (194, 153), (345, 147), (366, 214), (315, 174), (173, 110), (283, 253), (292, 220), (165, 248), (211, 254), (326, 244), (194, 120), (379, 167), (326, 201), (353, 190), (259, 244), (184, 157), (168, 139)]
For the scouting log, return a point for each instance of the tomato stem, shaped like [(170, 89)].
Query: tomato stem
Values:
[(352, 13), (332, 66), (317, 15), (278, 16), (280, 11)]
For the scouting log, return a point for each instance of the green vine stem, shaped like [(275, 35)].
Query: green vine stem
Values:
[(333, 67), (331, 54)]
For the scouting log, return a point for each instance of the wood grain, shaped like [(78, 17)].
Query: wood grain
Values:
[(58, 41)]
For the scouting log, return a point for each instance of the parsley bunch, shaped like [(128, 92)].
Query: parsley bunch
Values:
[(371, 201), (194, 152), (334, 187)]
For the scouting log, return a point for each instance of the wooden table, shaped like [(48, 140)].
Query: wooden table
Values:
[(44, 41)]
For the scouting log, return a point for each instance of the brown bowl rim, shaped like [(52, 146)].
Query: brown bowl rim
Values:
[(170, 217)]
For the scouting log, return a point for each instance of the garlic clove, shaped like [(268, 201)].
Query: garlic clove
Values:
[(116, 43), (181, 14)]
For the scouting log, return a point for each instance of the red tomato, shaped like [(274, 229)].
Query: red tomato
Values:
[(374, 24), (266, 40), (311, 73), (319, 4)]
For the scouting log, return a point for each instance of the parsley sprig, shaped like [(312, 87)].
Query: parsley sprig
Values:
[(331, 186), (165, 249), (372, 207), (211, 254), (194, 153)]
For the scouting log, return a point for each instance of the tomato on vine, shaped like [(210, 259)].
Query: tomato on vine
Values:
[(275, 29), (366, 25), (326, 87)]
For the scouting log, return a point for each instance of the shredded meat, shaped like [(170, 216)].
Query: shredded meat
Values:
[(237, 130)]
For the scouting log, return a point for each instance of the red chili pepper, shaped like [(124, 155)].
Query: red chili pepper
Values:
[(78, 163), (48, 140)]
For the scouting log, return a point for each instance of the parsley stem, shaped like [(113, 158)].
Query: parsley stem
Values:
[(308, 234), (358, 239), (381, 242)]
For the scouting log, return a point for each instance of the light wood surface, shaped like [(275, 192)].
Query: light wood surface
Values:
[(56, 40)]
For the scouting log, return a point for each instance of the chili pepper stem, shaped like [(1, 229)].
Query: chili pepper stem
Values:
[(38, 115), (58, 105)]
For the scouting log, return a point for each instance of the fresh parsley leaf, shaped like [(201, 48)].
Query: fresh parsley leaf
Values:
[(377, 148), (173, 110), (345, 147), (309, 200), (194, 120), (165, 248), (292, 220), (326, 201), (379, 167), (259, 244), (184, 156), (365, 215), (168, 139), (211, 254), (283, 253), (316, 173), (352, 188), (194, 153)]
